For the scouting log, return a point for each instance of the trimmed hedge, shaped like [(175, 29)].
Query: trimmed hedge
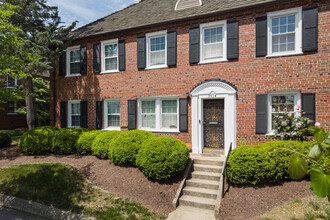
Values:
[(5, 139), (101, 143), (254, 164), (85, 142), (125, 147), (162, 157), (65, 140), (37, 141)]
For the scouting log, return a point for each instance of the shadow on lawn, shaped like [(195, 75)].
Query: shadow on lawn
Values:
[(55, 185)]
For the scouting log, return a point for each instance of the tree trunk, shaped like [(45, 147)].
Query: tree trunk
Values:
[(29, 103)]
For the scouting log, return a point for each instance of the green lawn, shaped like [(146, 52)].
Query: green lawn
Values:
[(64, 187), (15, 134)]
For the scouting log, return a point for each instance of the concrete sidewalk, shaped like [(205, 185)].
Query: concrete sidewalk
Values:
[(190, 213)]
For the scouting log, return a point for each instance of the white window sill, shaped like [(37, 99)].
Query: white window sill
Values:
[(12, 113), (161, 131), (270, 133), (11, 87), (156, 67), (73, 75), (110, 71), (112, 129), (284, 54), (213, 61)]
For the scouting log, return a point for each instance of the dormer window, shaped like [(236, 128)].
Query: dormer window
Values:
[(183, 4)]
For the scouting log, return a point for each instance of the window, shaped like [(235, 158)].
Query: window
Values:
[(74, 113), (284, 32), (157, 50), (213, 42), (110, 56), (73, 61), (282, 102), (159, 114), (12, 107), (112, 115), (11, 82)]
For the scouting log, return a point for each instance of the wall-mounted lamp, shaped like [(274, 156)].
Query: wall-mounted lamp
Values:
[(188, 95)]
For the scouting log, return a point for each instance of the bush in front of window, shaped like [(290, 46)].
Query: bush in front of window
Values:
[(125, 147), (100, 147), (65, 140), (162, 157), (5, 139), (85, 142), (37, 141), (265, 163)]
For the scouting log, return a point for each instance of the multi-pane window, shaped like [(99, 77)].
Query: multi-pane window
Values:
[(11, 82), (212, 43), (74, 62), (75, 114), (12, 107), (113, 114), (156, 49), (109, 56), (160, 114)]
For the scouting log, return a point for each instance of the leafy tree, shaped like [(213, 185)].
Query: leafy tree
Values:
[(42, 35)]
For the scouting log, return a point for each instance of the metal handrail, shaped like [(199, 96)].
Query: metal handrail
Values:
[(224, 168)]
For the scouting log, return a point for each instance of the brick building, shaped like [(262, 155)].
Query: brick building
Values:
[(207, 72)]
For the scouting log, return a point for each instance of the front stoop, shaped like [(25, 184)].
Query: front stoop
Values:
[(203, 187)]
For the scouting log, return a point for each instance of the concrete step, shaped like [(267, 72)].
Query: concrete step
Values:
[(197, 202), (207, 168), (200, 183), (217, 161), (200, 192), (209, 152), (206, 175)]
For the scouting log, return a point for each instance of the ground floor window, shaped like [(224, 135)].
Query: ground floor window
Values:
[(158, 114), (74, 113), (112, 114), (12, 107)]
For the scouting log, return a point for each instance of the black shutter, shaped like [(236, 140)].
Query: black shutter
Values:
[(194, 46), (309, 32), (141, 52), (261, 36), (261, 113), (62, 68), (232, 40), (63, 114), (83, 114), (171, 48), (99, 115), (308, 105), (97, 58), (183, 115), (131, 114), (121, 54), (83, 60)]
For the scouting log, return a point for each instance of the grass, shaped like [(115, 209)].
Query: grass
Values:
[(309, 208), (15, 134), (64, 187)]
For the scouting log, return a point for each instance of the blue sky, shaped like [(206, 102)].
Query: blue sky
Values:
[(86, 11)]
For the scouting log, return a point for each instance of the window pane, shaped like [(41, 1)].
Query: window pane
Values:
[(74, 68), (113, 107), (290, 99), (113, 120), (157, 43), (157, 58), (169, 106), (75, 108), (290, 108), (148, 106), (11, 107), (213, 35), (111, 50), (212, 51), (111, 63), (11, 82), (75, 56), (75, 121), (148, 121), (169, 121)]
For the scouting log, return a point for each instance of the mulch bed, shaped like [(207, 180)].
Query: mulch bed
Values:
[(129, 182)]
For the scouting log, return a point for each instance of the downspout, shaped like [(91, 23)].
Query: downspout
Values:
[(54, 97)]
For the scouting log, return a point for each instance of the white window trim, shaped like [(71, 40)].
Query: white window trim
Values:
[(69, 111), (105, 115), (298, 31), (158, 112), (222, 23), (103, 44), (177, 4), (297, 101), (68, 60), (152, 35), (11, 87), (15, 109)]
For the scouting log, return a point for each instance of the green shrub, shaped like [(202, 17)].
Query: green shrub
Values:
[(262, 163), (85, 141), (65, 140), (5, 139), (162, 157), (125, 147), (37, 141), (101, 143)]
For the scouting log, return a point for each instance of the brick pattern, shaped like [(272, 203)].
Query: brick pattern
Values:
[(307, 73)]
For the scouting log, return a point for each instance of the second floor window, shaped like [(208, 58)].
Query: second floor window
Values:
[(12, 107), (73, 61), (109, 56), (11, 82), (156, 50)]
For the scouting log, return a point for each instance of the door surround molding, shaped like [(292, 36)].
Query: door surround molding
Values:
[(213, 89)]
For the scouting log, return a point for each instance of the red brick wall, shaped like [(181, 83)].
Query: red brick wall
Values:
[(11, 121), (308, 73)]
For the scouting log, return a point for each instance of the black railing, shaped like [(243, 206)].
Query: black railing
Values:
[(224, 169)]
